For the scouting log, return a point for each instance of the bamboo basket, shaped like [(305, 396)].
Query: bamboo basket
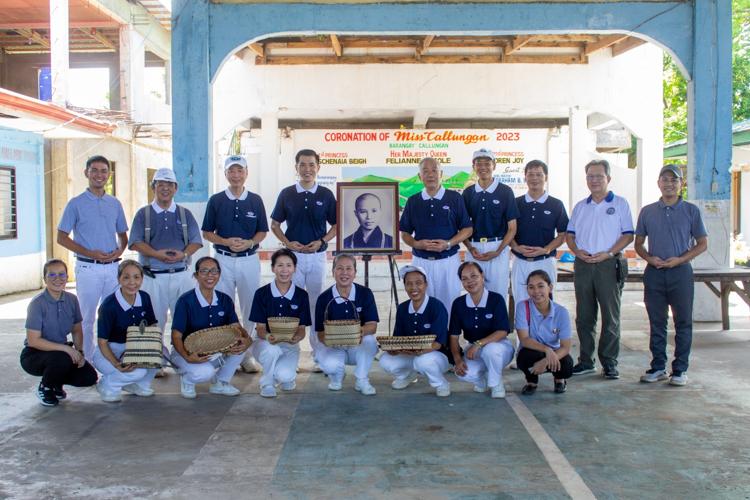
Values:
[(143, 347), (212, 340), (342, 332), (413, 343), (282, 328)]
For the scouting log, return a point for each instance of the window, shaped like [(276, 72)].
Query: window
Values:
[(8, 207)]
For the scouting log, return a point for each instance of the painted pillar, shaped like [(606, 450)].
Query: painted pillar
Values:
[(579, 138), (710, 139), (59, 51), (132, 70), (269, 186)]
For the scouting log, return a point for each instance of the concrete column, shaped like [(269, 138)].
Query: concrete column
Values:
[(132, 70), (59, 51), (268, 181), (578, 153), (710, 139), (168, 81), (61, 175)]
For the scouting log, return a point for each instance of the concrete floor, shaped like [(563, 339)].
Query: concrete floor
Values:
[(603, 439)]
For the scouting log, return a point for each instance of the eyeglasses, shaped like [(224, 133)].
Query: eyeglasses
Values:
[(162, 185), (667, 180), (595, 177), (53, 277), (215, 271)]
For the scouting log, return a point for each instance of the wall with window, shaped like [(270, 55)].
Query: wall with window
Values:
[(22, 214)]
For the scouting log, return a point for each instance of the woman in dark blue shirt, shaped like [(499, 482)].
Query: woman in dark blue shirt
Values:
[(483, 318)]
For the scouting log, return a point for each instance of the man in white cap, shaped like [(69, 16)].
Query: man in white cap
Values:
[(235, 222), (493, 211), (165, 235)]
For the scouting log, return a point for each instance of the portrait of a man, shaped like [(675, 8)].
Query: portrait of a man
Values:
[(368, 217), (368, 209)]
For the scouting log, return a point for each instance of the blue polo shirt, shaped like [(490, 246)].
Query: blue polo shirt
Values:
[(305, 213), (95, 222), (477, 322), (490, 209), (437, 218), (54, 318), (548, 331), (166, 233), (430, 319), (116, 315), (674, 229), (339, 308), (192, 313), (231, 217), (540, 221), (268, 302)]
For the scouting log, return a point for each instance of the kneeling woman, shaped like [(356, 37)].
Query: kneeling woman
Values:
[(483, 318), (279, 298), (197, 310), (128, 306), (544, 332), (422, 315), (50, 317), (341, 299)]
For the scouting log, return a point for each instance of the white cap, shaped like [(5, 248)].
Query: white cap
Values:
[(164, 174), (483, 153), (234, 160), (409, 268)]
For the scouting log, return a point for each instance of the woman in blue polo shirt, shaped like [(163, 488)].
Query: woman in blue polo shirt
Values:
[(543, 328), (483, 318), (128, 306), (340, 300), (50, 317), (279, 298), (197, 310), (421, 315)]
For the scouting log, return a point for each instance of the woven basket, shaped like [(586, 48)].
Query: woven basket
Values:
[(342, 332), (212, 340), (282, 328), (413, 343), (143, 347)]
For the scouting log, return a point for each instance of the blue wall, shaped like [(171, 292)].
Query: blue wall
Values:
[(25, 152)]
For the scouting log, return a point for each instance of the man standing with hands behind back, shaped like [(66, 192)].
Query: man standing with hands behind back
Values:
[(600, 227)]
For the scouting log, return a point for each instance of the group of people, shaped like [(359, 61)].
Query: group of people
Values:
[(486, 218)]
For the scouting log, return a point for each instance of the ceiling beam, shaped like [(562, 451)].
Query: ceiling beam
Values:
[(425, 44), (34, 36), (336, 45), (72, 24), (258, 48), (627, 44), (96, 35), (517, 42), (437, 59), (590, 48)]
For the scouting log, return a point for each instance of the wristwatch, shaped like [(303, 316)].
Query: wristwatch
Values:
[(611, 254), (322, 243), (449, 245)]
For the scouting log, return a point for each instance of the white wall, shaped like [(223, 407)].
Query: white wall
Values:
[(26, 273)]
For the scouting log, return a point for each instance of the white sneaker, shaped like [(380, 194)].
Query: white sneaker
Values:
[(652, 376), (268, 391), (403, 384), (316, 368), (289, 386), (138, 390), (498, 392), (248, 366), (481, 390), (678, 378), (335, 386), (363, 385), (160, 373), (223, 388), (444, 390), (186, 390), (107, 397)]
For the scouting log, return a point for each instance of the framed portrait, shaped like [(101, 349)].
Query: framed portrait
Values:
[(368, 217)]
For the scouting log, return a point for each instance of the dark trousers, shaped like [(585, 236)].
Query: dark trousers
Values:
[(662, 289), (56, 368), (597, 288), (527, 358)]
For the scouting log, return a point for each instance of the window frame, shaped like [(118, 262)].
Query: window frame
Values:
[(13, 203)]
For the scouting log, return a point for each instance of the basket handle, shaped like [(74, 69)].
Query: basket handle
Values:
[(142, 326), (354, 308)]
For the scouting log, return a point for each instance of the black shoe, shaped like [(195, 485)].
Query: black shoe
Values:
[(580, 369), (60, 392), (610, 372), (47, 396), (561, 387), (528, 390)]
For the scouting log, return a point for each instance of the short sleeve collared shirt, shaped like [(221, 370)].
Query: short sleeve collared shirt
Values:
[(95, 222), (166, 233), (598, 226), (193, 312), (671, 230), (490, 209), (232, 217), (305, 213), (539, 221), (53, 318), (269, 302), (477, 321), (116, 315), (430, 319), (340, 308), (548, 331)]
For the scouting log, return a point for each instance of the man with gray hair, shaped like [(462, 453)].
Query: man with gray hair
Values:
[(600, 227)]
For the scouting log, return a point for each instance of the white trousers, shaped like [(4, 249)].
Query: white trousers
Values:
[(521, 270), (333, 360), (197, 373), (443, 282), (113, 379), (486, 369), (432, 365), (242, 273), (94, 282), (164, 290), (311, 276), (279, 361), (497, 270)]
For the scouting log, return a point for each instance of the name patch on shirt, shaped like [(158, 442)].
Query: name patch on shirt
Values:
[(610, 210), (143, 313), (496, 202), (319, 203), (295, 306), (427, 325), (359, 309), (547, 212), (221, 313), (251, 215), (488, 316), (446, 207)]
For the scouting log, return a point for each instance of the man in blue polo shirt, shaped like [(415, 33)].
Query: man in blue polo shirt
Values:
[(600, 227), (100, 236), (433, 224), (493, 212), (165, 248), (676, 235), (235, 222), (306, 208)]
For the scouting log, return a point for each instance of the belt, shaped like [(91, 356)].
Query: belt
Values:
[(436, 258), (169, 271), (233, 254), (534, 259), (487, 240), (92, 261)]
